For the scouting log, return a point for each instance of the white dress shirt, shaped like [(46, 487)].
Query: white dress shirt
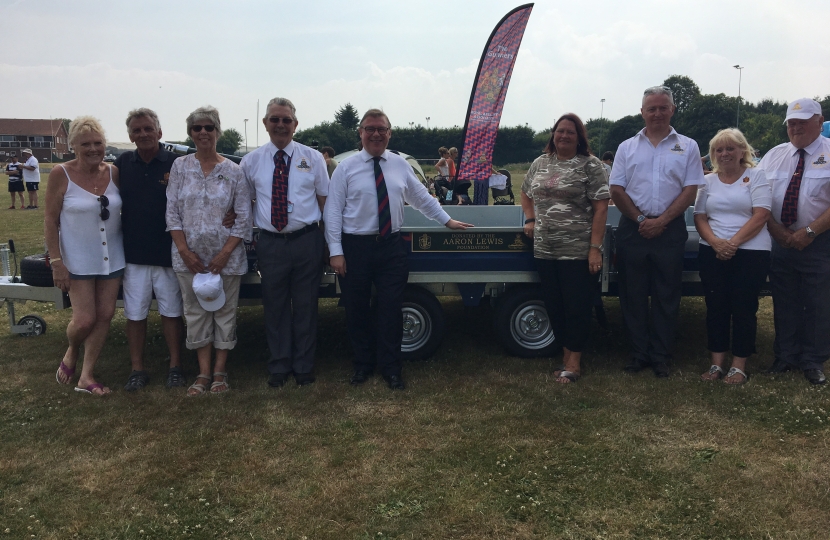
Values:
[(814, 193), (307, 178), (352, 205), (654, 176)]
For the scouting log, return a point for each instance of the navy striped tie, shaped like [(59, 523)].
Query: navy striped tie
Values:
[(384, 214)]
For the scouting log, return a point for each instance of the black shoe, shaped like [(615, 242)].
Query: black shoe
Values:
[(661, 370), (175, 378), (815, 376), (276, 380), (395, 382), (359, 377), (304, 379), (779, 366), (137, 381), (635, 366)]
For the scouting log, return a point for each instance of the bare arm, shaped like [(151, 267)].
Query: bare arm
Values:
[(530, 213), (321, 202), (190, 259), (597, 234), (799, 239), (221, 259), (624, 203), (752, 227), (55, 191), (724, 250), (652, 228)]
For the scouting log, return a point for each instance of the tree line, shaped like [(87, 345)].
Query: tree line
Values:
[(698, 116)]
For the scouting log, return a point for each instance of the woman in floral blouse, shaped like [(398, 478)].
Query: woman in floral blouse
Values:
[(202, 188)]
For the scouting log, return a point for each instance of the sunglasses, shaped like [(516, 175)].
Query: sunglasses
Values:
[(197, 128), (277, 120), (105, 213)]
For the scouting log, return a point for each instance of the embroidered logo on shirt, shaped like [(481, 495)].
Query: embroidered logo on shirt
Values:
[(677, 149), (164, 179), (820, 161), (303, 165)]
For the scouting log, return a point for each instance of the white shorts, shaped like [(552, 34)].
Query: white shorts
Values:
[(141, 281)]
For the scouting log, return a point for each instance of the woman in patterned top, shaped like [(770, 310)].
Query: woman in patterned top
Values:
[(202, 188), (565, 200)]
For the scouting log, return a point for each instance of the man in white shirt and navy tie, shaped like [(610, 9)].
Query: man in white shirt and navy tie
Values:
[(799, 172), (290, 183), (364, 215)]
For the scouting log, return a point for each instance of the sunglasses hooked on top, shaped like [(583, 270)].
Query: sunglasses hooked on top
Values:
[(277, 120), (105, 213), (197, 128)]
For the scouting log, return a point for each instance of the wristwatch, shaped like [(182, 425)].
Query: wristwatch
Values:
[(810, 232), (598, 246), (641, 218)]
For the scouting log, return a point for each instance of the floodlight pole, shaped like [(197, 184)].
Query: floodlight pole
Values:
[(740, 73), (246, 135), (601, 125)]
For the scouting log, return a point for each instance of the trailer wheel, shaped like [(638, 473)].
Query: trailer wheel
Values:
[(423, 324), (522, 325), (36, 271), (37, 326)]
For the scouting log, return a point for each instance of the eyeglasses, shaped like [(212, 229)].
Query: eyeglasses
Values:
[(373, 130), (277, 120), (105, 213), (197, 128)]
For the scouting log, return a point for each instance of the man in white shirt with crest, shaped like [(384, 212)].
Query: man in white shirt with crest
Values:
[(290, 183), (653, 181)]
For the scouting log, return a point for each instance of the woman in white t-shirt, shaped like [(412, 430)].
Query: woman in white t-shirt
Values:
[(731, 213)]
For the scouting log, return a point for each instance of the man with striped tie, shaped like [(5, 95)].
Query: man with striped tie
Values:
[(799, 172), (364, 215), (289, 183)]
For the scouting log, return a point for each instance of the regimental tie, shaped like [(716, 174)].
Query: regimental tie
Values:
[(789, 209), (279, 192), (384, 214)]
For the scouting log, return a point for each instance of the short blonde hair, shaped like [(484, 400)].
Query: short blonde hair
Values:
[(734, 136), (204, 113), (85, 124)]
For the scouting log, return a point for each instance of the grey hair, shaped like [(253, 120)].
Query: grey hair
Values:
[(205, 113), (85, 124), (143, 112), (375, 113), (658, 91), (282, 102)]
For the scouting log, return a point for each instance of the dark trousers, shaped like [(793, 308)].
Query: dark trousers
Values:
[(375, 336), (731, 289), (291, 270), (568, 289), (651, 267), (800, 282)]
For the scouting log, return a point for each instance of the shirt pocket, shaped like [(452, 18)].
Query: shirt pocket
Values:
[(674, 168), (818, 185)]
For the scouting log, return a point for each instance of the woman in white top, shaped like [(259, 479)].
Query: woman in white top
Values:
[(443, 166), (83, 237), (202, 188), (731, 213)]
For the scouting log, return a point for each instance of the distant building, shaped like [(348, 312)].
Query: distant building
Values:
[(45, 137)]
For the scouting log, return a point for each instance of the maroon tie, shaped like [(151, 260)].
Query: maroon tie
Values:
[(384, 212), (789, 210), (279, 193)]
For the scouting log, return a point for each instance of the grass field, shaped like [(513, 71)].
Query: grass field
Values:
[(480, 445)]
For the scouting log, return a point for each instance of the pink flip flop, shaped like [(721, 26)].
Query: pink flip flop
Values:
[(89, 389), (69, 373)]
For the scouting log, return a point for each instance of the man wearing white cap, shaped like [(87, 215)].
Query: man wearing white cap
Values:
[(31, 175), (799, 172)]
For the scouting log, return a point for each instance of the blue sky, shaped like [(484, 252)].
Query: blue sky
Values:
[(414, 59)]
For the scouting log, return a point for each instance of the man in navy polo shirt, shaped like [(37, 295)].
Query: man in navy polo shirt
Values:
[(144, 173)]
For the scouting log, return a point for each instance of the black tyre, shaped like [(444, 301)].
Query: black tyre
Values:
[(522, 325), (423, 324), (36, 271), (37, 326)]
